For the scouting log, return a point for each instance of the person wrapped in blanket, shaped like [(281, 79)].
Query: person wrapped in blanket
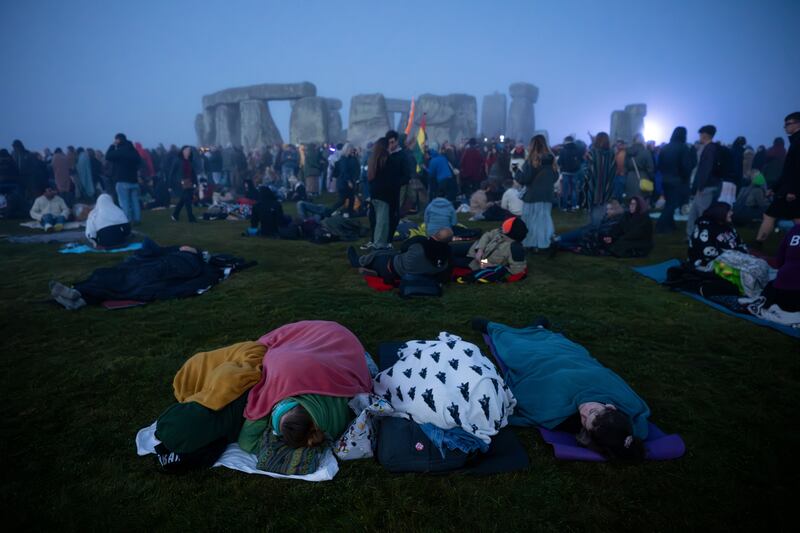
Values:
[(152, 273), (425, 256), (633, 235), (559, 385), (589, 239), (267, 215), (713, 234), (494, 257), (450, 389), (282, 398)]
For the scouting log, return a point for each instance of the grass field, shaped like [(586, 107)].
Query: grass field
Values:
[(78, 385)]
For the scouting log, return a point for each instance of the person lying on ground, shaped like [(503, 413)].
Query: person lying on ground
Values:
[(151, 273), (589, 238), (558, 385), (419, 255), (439, 214), (633, 235), (107, 225), (713, 234), (497, 254), (292, 386), (50, 210)]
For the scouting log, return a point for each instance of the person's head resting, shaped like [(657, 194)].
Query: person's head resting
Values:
[(298, 429), (120, 138), (707, 133), (49, 193), (719, 212), (791, 124), (678, 135), (186, 152), (610, 433), (392, 140), (614, 208), (514, 228), (638, 206)]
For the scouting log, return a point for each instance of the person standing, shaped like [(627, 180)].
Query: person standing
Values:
[(707, 183), (600, 171), (676, 161), (538, 176), (61, 175), (380, 194), (639, 166), (125, 168), (84, 169), (471, 166), (569, 162), (184, 167), (786, 203)]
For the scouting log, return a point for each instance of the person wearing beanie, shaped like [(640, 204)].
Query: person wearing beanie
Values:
[(498, 251)]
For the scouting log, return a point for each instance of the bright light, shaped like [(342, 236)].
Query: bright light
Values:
[(653, 131)]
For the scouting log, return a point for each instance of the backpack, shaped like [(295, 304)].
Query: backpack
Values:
[(404, 447), (419, 285), (723, 163)]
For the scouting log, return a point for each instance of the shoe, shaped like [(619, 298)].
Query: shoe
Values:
[(346, 215), (540, 322), (480, 324), (59, 290), (58, 227), (174, 218), (48, 228), (367, 246), (382, 246), (352, 256)]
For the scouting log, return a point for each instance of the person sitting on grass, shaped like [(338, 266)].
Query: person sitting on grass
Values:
[(589, 238), (107, 226), (419, 255), (50, 210), (439, 214), (267, 214), (713, 234), (633, 235), (559, 385), (496, 255)]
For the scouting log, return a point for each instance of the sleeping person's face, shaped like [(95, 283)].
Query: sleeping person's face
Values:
[(590, 411)]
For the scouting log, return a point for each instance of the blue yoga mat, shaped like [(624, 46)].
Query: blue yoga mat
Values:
[(85, 248), (658, 273)]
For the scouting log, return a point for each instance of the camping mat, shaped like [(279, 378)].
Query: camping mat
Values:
[(44, 238), (658, 445), (35, 224), (237, 459), (658, 273), (506, 453), (76, 248)]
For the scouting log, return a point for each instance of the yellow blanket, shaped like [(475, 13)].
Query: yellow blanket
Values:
[(214, 379)]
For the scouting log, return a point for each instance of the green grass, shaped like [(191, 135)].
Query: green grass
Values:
[(78, 385)]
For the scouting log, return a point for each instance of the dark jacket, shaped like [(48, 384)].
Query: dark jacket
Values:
[(177, 173), (539, 182), (710, 238), (632, 237), (569, 158), (705, 176), (347, 172), (389, 179), (676, 161), (125, 162), (789, 182)]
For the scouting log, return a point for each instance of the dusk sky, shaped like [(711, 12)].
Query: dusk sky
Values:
[(78, 72)]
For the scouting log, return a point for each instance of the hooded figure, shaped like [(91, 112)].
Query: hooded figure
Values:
[(267, 213), (713, 234), (633, 236), (107, 224)]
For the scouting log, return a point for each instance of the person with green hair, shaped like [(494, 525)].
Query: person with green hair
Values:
[(752, 201)]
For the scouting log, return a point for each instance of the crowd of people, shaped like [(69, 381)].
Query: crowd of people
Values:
[(712, 185)]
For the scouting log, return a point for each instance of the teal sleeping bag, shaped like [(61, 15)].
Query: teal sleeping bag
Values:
[(551, 376)]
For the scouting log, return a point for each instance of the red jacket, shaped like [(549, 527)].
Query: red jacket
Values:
[(472, 165)]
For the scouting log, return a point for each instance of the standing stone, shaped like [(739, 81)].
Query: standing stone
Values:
[(227, 123), (335, 132), (258, 128), (309, 121), (395, 106), (210, 127), (368, 119), (465, 117), (521, 120), (636, 114), (625, 124), (200, 129), (493, 115)]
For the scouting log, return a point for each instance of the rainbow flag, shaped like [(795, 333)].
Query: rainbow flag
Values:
[(419, 149)]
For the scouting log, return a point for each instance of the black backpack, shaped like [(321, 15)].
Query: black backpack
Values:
[(723, 163), (404, 447), (419, 285)]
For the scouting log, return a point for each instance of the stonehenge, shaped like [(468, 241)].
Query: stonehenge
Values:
[(493, 115), (627, 123), (521, 119), (452, 117), (369, 118)]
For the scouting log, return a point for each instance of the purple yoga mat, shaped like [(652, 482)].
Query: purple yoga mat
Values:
[(658, 446)]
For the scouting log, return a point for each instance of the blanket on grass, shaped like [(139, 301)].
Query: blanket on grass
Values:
[(658, 273), (76, 248), (35, 224)]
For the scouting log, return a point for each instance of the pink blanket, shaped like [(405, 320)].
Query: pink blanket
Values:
[(309, 357)]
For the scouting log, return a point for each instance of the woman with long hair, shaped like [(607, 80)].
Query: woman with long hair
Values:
[(183, 168), (380, 193), (538, 176)]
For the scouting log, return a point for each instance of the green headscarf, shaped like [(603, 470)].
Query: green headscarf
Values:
[(330, 413)]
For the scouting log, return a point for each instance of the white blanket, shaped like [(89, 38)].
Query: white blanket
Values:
[(448, 383), (35, 224), (237, 459)]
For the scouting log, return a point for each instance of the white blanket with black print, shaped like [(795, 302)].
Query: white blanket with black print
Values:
[(448, 383)]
